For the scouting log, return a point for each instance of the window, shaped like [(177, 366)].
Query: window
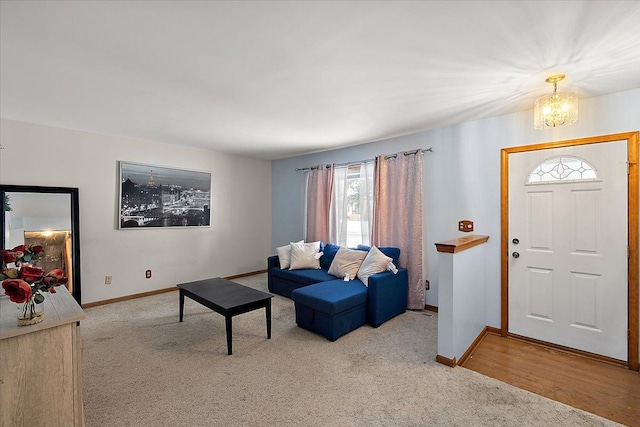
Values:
[(352, 207), (562, 169)]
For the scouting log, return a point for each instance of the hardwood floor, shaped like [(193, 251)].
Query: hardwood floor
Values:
[(602, 388)]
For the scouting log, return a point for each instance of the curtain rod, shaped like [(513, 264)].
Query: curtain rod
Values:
[(392, 156)]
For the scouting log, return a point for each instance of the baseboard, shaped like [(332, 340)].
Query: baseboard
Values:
[(476, 343), (159, 291), (446, 361), (433, 308), (251, 273), (492, 330), (128, 297), (453, 362)]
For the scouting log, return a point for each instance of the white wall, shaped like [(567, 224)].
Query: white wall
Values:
[(237, 242), (461, 314), (461, 177)]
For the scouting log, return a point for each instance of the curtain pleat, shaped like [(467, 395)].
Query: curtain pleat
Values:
[(366, 201), (319, 191), (339, 220), (397, 218)]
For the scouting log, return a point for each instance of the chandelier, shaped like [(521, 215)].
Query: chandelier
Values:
[(557, 109)]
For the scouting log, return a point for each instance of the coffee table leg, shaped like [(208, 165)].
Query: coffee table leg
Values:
[(181, 304), (228, 322), (268, 311)]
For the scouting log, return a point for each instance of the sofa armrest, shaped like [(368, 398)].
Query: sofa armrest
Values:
[(272, 261), (387, 296)]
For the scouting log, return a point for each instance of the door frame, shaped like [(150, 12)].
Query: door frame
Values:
[(632, 224)]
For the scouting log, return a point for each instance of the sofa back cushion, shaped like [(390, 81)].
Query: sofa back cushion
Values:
[(329, 252)]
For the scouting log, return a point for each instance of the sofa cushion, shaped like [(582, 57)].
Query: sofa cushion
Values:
[(346, 263), (304, 277), (374, 262), (329, 252), (331, 297), (305, 255), (389, 251)]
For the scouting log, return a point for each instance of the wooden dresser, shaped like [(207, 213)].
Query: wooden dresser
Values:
[(41, 365)]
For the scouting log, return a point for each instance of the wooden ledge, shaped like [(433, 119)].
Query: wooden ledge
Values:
[(460, 244)]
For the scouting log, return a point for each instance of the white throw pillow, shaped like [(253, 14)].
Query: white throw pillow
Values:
[(305, 255), (346, 263), (374, 262), (284, 255), (315, 245)]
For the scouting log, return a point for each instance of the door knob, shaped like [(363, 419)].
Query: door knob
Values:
[(515, 241), (515, 255)]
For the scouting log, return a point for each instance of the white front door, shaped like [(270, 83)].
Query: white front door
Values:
[(568, 247)]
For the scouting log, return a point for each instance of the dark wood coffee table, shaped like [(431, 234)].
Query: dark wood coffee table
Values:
[(227, 298)]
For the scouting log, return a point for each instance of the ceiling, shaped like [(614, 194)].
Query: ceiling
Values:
[(271, 79)]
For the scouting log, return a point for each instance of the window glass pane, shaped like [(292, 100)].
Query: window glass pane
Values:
[(562, 169), (353, 207), (354, 234)]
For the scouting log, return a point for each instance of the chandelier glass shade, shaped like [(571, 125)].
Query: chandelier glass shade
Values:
[(557, 109)]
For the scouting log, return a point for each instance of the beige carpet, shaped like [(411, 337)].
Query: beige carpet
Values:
[(144, 368)]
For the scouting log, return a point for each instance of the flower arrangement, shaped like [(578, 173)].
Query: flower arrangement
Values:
[(26, 282)]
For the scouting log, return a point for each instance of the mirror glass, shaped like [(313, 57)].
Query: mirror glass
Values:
[(44, 216)]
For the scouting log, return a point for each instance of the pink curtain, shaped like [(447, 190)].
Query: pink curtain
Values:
[(397, 215), (319, 190)]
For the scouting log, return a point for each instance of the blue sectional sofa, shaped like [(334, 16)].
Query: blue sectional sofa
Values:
[(332, 307)]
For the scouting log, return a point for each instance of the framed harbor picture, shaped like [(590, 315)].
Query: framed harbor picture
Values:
[(158, 197)]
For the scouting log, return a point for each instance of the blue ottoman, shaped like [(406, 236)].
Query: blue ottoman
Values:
[(331, 308)]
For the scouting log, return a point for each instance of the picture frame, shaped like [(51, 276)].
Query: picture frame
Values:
[(152, 196)]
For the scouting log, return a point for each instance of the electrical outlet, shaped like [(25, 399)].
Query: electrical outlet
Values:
[(107, 280), (465, 225), (147, 274), (427, 285)]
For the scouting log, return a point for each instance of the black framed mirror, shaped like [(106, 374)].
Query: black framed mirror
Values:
[(47, 216)]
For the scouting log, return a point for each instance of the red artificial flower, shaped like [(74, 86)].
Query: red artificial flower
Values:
[(37, 249), (59, 275), (29, 273), (53, 278), (21, 248), (8, 256), (18, 290)]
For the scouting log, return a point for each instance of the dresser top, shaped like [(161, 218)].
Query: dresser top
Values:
[(59, 309)]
